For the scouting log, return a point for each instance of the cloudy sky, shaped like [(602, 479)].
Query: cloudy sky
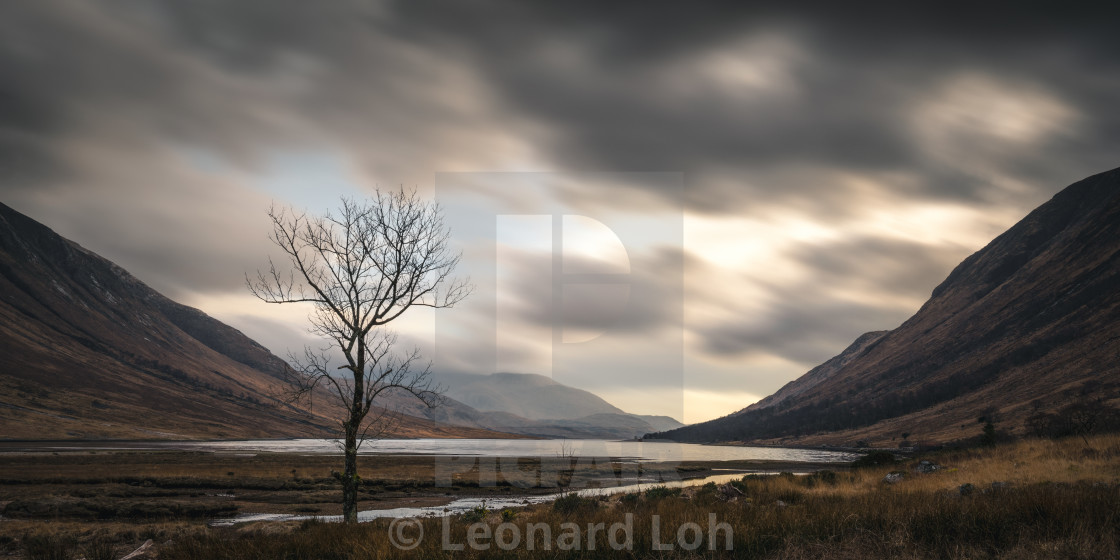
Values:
[(767, 184)]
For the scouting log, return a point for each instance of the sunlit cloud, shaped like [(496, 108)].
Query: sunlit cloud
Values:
[(823, 172)]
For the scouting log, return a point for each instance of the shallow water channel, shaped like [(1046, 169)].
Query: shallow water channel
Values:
[(463, 505)]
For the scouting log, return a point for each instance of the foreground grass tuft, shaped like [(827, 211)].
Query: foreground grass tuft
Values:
[(1036, 521)]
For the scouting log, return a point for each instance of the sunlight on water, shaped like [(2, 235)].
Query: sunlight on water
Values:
[(464, 505), (617, 450), (640, 450)]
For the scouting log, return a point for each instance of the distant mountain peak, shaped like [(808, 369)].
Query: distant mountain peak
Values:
[(523, 378), (537, 404)]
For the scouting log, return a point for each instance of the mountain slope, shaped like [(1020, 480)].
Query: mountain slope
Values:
[(89, 351), (802, 385), (531, 404), (528, 395), (1031, 321)]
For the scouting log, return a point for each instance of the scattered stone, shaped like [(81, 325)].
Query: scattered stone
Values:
[(894, 477), (966, 489), (780, 504), (926, 467)]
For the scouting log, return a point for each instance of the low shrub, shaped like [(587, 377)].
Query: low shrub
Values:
[(874, 459), (828, 478), (574, 503), (98, 549), (48, 547), (661, 492), (630, 500), (476, 514)]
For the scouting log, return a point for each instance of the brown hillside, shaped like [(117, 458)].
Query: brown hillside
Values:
[(89, 351)]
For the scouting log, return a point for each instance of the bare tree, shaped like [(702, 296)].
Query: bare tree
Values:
[(360, 269)]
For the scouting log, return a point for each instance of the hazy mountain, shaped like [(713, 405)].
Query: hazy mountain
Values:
[(89, 351), (1029, 322), (528, 395), (536, 405)]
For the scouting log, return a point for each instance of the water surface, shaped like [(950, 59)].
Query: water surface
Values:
[(463, 505), (639, 450)]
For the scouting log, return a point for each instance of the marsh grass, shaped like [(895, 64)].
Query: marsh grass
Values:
[(1055, 499), (70, 540), (99, 549), (49, 547), (1032, 499), (1031, 521)]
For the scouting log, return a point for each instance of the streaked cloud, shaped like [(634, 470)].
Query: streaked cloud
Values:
[(838, 162)]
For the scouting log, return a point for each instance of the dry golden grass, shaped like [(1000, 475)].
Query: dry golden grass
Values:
[(1062, 500), (96, 466), (1032, 461), (73, 539), (226, 469), (1026, 522)]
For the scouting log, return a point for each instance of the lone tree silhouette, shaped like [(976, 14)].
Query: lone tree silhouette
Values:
[(360, 269)]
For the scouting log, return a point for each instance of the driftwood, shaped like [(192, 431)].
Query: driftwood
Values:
[(730, 492), (139, 551)]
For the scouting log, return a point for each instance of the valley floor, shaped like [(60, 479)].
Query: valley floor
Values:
[(1029, 499)]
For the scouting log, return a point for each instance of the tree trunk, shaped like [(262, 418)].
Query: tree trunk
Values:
[(350, 477)]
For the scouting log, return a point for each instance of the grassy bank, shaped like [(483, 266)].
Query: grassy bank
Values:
[(121, 498), (1029, 499), (1027, 522)]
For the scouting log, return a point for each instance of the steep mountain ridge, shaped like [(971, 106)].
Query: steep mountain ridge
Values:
[(1029, 322), (819, 374), (89, 351)]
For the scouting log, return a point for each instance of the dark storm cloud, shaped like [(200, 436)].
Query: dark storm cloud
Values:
[(102, 106), (71, 67), (808, 331), (613, 87), (817, 316), (892, 267), (597, 77), (825, 112)]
